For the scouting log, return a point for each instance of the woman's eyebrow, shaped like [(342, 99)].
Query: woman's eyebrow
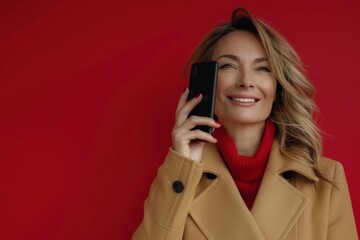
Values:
[(263, 59), (231, 56), (236, 58)]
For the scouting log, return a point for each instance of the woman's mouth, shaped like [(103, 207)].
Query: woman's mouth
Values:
[(243, 100)]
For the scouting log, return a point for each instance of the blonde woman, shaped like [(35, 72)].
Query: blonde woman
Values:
[(260, 175)]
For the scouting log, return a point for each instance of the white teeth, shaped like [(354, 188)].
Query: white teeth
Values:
[(245, 100)]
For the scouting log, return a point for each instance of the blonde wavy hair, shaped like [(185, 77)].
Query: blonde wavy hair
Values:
[(293, 109)]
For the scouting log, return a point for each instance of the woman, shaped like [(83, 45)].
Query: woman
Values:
[(261, 174)]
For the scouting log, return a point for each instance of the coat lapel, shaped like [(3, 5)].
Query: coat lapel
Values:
[(220, 212), (278, 204)]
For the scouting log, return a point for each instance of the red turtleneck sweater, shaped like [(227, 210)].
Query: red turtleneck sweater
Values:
[(247, 172)]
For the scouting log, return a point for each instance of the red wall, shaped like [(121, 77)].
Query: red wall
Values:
[(88, 92)]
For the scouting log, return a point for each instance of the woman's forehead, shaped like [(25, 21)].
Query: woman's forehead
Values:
[(239, 44)]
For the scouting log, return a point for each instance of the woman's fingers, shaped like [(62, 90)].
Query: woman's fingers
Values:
[(184, 109), (201, 135), (184, 134), (194, 121), (185, 144), (184, 138), (182, 99)]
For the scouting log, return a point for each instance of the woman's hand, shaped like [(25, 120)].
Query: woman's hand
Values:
[(187, 142)]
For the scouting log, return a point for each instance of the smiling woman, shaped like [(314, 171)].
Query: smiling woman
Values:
[(261, 175), (246, 87)]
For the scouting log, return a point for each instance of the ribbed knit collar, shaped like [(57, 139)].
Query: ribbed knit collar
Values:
[(245, 168)]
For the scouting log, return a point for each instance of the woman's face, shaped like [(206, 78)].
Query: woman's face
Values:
[(246, 85)]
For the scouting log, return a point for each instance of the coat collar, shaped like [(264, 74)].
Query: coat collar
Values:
[(276, 197), (277, 161)]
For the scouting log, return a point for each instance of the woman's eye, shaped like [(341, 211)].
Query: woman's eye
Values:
[(226, 66), (264, 69)]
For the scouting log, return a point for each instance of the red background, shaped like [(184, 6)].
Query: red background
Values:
[(88, 92)]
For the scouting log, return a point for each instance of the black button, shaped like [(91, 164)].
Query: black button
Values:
[(287, 175), (210, 176), (178, 186)]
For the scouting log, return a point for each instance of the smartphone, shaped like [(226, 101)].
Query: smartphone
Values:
[(203, 77)]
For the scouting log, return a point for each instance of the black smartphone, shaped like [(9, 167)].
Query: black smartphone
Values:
[(203, 77)]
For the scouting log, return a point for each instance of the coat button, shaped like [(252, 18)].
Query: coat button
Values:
[(210, 176), (178, 186)]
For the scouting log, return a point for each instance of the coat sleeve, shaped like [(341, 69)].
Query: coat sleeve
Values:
[(341, 218), (170, 198)]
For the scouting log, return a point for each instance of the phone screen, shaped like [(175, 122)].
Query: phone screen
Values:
[(203, 79)]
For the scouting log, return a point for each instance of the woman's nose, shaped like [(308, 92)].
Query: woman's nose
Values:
[(244, 80)]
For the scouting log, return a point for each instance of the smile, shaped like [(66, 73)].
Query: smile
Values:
[(244, 100)]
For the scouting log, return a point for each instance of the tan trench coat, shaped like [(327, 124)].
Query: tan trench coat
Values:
[(292, 202)]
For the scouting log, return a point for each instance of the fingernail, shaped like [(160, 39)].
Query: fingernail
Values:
[(198, 95), (218, 123), (184, 90)]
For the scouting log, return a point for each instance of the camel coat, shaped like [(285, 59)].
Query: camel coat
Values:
[(198, 201)]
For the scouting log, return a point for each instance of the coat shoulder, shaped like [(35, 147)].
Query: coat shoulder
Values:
[(331, 169)]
